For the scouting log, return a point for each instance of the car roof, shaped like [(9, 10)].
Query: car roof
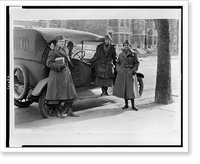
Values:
[(30, 43), (50, 34)]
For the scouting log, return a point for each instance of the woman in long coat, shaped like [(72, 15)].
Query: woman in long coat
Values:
[(127, 65), (60, 86), (104, 62)]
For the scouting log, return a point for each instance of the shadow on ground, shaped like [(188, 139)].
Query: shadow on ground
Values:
[(94, 108), (85, 116), (149, 105), (91, 103), (30, 114)]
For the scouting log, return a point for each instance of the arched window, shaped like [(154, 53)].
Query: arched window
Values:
[(150, 32)]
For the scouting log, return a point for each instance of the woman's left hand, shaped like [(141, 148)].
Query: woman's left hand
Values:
[(133, 72)]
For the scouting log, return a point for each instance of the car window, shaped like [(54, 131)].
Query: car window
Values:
[(88, 47)]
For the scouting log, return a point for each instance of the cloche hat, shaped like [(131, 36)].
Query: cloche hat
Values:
[(126, 42), (60, 37), (107, 36)]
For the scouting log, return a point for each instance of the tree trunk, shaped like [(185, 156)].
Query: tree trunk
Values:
[(163, 92)]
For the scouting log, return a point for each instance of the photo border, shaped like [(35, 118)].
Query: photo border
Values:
[(183, 55)]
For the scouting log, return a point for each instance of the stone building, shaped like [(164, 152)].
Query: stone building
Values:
[(139, 32)]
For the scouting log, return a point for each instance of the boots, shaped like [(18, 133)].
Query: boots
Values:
[(126, 104), (104, 91), (70, 112), (133, 105), (66, 107), (58, 113)]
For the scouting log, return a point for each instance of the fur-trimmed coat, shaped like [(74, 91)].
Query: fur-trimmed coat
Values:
[(104, 61)]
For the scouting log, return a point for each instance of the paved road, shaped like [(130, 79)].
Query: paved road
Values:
[(147, 67)]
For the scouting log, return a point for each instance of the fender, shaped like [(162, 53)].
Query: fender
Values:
[(140, 74), (39, 87)]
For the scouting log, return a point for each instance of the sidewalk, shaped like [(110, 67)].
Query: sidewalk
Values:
[(152, 124)]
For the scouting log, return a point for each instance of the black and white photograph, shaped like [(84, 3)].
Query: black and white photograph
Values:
[(83, 78)]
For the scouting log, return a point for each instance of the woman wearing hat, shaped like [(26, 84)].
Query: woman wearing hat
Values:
[(126, 67), (70, 47), (60, 86), (104, 61)]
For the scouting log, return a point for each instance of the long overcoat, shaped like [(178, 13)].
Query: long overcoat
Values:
[(60, 84), (127, 65), (104, 61)]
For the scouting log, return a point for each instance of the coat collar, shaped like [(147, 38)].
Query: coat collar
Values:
[(125, 55), (106, 49), (61, 51)]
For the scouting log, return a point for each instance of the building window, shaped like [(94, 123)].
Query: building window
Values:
[(112, 23), (127, 37), (136, 25), (115, 38), (122, 23), (150, 32), (121, 38), (127, 23), (155, 40)]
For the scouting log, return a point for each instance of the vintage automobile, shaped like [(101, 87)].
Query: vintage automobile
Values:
[(31, 48)]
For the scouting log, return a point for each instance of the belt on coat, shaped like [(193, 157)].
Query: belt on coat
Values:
[(127, 66), (105, 59)]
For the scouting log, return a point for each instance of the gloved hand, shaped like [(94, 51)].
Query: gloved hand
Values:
[(63, 66), (133, 72)]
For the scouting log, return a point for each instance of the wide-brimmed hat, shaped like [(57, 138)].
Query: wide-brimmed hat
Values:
[(107, 36), (60, 37), (126, 42)]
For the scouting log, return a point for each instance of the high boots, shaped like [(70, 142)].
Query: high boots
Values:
[(133, 105), (58, 113), (126, 104), (70, 112), (66, 108), (104, 91)]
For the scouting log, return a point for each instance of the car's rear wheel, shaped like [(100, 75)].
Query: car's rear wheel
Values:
[(140, 85)]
